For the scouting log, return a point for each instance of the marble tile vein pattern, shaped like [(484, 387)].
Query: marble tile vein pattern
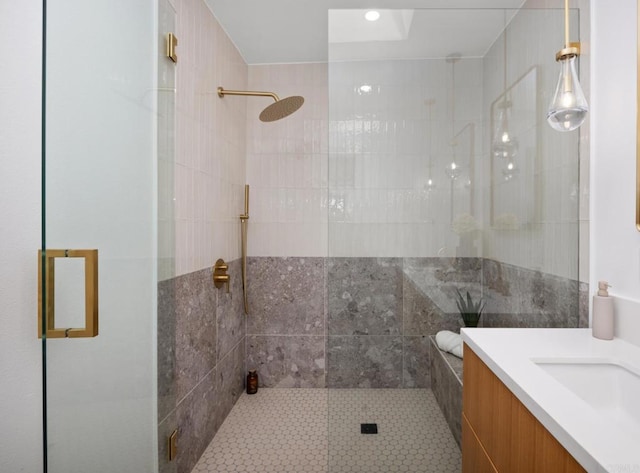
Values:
[(287, 361), (286, 296), (230, 311), (201, 360), (364, 296), (364, 361), (446, 384), (196, 329), (416, 362)]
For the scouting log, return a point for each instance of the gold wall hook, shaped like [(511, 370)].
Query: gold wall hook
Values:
[(220, 276)]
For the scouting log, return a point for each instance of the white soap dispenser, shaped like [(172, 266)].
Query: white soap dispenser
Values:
[(602, 319)]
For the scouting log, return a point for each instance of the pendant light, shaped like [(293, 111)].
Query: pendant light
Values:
[(504, 144), (452, 170), (569, 107)]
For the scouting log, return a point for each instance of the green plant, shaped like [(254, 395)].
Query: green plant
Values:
[(469, 310)]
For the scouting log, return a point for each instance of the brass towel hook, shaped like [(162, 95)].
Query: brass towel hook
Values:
[(220, 276)]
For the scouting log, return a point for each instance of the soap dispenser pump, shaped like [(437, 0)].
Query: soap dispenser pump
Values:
[(602, 319)]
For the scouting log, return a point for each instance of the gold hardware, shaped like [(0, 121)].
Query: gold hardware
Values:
[(246, 200), (222, 92), (172, 447), (243, 229), (90, 299), (570, 51), (172, 42), (279, 109), (220, 276)]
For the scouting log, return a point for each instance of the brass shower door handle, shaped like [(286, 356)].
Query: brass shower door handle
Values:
[(48, 257)]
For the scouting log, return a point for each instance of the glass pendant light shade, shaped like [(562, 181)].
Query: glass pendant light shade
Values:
[(504, 145), (510, 171), (569, 107), (452, 171), (507, 149)]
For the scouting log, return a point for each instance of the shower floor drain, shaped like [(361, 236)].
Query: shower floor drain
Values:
[(368, 428)]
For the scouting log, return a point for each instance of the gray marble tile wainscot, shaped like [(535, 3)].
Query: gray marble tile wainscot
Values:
[(287, 321), (364, 361), (286, 296), (287, 361), (446, 384), (364, 296), (201, 361), (331, 322)]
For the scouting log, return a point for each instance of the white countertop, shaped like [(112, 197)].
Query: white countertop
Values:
[(595, 441)]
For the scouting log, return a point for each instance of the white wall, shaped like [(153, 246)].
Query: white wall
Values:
[(20, 367), (615, 242)]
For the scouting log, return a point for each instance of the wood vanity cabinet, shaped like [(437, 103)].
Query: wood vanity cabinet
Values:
[(499, 434)]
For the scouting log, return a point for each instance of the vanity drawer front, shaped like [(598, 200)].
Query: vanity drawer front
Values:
[(512, 437), (475, 459)]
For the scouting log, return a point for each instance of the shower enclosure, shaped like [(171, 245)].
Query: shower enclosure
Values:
[(443, 176)]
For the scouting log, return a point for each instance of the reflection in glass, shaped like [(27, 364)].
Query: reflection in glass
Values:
[(430, 181), (513, 191), (504, 145)]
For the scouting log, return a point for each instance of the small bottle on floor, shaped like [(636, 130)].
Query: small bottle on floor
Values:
[(252, 382)]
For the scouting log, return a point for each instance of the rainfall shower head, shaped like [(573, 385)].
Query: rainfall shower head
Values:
[(275, 111)]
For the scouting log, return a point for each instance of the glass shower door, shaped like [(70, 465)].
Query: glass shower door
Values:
[(98, 274), (426, 207)]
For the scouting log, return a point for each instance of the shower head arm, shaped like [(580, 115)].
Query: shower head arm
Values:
[(222, 92)]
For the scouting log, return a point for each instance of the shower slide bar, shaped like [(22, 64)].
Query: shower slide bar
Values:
[(243, 229)]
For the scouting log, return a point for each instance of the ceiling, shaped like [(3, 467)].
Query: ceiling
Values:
[(291, 31)]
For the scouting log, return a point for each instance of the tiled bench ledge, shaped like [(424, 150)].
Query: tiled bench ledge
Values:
[(446, 384)]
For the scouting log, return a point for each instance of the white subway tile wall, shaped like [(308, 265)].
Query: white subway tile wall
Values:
[(549, 240), (388, 142), (166, 146), (287, 163), (348, 174), (210, 141)]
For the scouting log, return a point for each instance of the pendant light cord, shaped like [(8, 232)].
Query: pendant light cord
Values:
[(566, 23)]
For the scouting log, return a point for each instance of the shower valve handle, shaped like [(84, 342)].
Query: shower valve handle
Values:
[(220, 276)]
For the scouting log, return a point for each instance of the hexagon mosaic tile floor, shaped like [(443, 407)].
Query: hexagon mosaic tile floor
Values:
[(318, 430)]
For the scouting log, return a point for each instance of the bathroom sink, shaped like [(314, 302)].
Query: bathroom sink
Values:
[(609, 386)]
